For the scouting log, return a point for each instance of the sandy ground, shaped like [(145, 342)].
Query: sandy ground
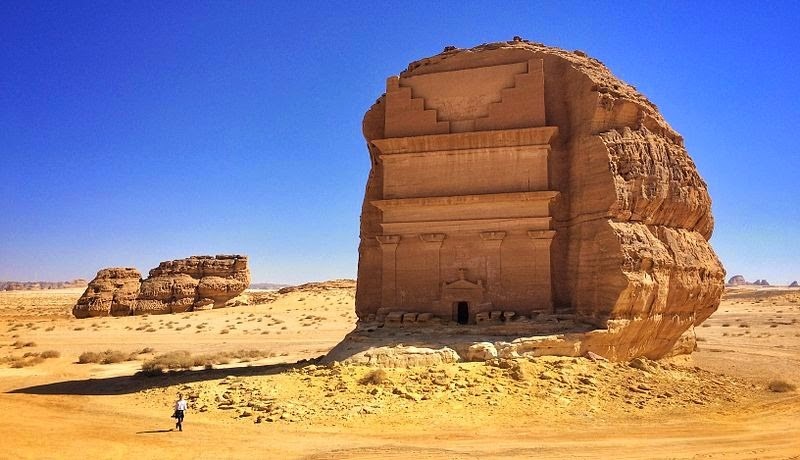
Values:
[(712, 405)]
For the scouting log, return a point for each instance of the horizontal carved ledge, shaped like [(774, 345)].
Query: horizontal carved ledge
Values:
[(388, 239), (468, 140), (541, 234)]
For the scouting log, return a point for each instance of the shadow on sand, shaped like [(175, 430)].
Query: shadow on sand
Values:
[(170, 430), (138, 382)]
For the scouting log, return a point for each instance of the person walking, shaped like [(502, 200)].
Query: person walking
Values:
[(180, 407)]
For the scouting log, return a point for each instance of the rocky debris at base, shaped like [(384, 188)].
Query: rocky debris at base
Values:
[(402, 356), (544, 386), (433, 345), (192, 284)]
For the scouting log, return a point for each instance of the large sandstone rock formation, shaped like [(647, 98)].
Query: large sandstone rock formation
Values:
[(112, 292), (192, 284), (515, 180)]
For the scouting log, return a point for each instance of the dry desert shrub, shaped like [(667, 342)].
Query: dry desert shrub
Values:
[(47, 354), (781, 386), (21, 344), (375, 377), (26, 361), (105, 357), (182, 359)]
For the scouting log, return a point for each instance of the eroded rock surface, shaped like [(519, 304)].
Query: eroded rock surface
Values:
[(192, 284), (112, 292), (523, 180)]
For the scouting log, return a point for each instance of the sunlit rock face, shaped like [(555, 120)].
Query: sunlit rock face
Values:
[(515, 182)]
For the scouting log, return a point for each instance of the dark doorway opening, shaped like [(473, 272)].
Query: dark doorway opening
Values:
[(462, 313)]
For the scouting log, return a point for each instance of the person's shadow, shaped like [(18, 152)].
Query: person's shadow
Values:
[(155, 431)]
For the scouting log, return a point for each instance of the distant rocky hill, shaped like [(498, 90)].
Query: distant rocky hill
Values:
[(268, 285), (320, 286), (38, 285), (739, 280)]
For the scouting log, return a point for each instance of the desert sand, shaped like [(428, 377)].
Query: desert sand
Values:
[(713, 404)]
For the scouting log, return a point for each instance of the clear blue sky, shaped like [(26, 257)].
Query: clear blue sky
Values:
[(135, 132)]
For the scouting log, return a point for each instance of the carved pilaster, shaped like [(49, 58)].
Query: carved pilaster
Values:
[(389, 269), (542, 240), (494, 261), (433, 252)]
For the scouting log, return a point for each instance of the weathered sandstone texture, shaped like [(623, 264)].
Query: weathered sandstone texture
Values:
[(193, 284), (112, 292), (512, 182)]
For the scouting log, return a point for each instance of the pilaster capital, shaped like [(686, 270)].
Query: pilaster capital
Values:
[(432, 237), (541, 234), (493, 236), (388, 239)]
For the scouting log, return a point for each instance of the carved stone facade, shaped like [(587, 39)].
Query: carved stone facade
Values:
[(519, 182), (465, 201)]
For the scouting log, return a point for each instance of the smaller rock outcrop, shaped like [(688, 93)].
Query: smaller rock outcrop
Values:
[(112, 292), (794, 284), (176, 286), (737, 280), (761, 283)]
